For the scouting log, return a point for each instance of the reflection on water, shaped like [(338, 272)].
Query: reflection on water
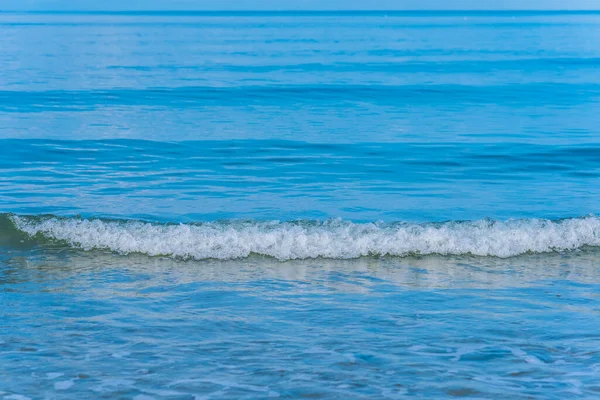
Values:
[(69, 266)]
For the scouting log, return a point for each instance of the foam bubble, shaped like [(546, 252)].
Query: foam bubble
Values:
[(336, 239)]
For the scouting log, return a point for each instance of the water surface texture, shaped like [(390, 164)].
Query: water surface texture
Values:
[(299, 205)]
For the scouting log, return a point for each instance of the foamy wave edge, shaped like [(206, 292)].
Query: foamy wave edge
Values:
[(335, 239)]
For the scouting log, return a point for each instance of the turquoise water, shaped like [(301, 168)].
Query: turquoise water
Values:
[(324, 205)]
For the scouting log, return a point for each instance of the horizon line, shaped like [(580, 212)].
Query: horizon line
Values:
[(305, 11)]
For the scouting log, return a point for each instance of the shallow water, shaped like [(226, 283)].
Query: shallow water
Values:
[(80, 324), (252, 205)]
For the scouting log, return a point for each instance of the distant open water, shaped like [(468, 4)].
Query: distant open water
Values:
[(337, 205)]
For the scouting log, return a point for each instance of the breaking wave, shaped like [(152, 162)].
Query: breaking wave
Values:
[(336, 239)]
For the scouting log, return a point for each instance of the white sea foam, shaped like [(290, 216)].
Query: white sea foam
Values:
[(330, 239)]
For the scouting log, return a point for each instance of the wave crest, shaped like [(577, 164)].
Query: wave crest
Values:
[(336, 239)]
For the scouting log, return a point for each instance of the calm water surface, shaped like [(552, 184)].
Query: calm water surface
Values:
[(324, 205)]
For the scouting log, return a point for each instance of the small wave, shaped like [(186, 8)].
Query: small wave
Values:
[(335, 239)]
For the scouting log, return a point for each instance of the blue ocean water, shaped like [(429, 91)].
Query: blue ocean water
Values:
[(299, 204)]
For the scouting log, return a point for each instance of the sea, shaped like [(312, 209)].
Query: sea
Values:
[(324, 205)]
